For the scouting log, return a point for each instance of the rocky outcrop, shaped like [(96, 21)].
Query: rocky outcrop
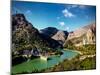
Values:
[(60, 36), (91, 35), (84, 35), (55, 34), (25, 36)]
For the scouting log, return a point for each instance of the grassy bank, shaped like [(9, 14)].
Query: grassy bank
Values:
[(74, 64), (85, 61), (85, 49)]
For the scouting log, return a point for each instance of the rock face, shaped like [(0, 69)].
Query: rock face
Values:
[(91, 34), (22, 32), (60, 36), (84, 35), (25, 36), (55, 34)]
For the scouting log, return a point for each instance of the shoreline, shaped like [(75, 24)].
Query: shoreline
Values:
[(75, 51)]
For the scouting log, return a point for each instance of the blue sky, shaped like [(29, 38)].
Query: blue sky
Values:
[(62, 16)]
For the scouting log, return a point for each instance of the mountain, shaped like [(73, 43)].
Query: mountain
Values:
[(60, 36), (25, 36), (49, 31), (55, 34), (83, 35)]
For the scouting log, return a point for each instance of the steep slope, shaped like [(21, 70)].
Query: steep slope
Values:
[(79, 32), (60, 36), (55, 34), (49, 31), (25, 36), (84, 35)]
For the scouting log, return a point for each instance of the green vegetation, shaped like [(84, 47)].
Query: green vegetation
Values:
[(69, 45), (88, 49), (26, 37), (74, 64), (77, 64), (88, 63)]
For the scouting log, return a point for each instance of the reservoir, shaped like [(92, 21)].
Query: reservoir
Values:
[(39, 64)]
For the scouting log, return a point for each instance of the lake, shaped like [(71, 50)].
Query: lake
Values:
[(38, 64)]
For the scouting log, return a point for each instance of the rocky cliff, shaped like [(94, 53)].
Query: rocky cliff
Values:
[(26, 36), (55, 34), (60, 36), (84, 35)]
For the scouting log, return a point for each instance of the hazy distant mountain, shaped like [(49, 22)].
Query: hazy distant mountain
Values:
[(55, 34), (82, 35), (49, 31), (60, 36)]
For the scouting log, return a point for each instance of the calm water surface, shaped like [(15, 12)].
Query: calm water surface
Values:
[(38, 64)]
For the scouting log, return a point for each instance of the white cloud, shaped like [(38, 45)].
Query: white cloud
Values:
[(58, 18), (67, 13), (28, 12), (61, 23), (66, 28)]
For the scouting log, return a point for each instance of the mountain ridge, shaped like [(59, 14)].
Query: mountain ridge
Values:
[(25, 36), (86, 33)]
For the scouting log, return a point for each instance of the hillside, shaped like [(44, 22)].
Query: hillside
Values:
[(84, 35), (55, 34), (27, 37)]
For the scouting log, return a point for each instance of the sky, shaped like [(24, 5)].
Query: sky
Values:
[(66, 17)]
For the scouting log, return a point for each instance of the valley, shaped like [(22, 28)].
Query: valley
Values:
[(51, 49)]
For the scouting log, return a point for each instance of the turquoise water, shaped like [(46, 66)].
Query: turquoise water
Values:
[(38, 64)]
